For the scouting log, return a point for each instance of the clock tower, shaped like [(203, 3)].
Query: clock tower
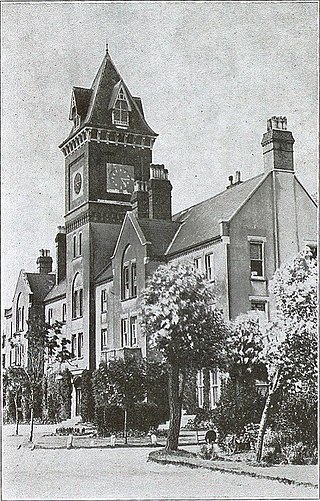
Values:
[(109, 148)]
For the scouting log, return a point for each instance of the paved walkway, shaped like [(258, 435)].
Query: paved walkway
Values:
[(297, 474)]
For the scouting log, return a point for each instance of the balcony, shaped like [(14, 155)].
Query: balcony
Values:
[(120, 353)]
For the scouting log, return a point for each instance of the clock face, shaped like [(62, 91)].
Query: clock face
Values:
[(77, 183), (120, 178)]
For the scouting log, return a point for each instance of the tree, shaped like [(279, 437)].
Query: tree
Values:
[(120, 383), (290, 341), (45, 344), (14, 380), (183, 324)]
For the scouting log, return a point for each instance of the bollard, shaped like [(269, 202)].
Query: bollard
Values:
[(112, 440), (70, 441), (153, 439)]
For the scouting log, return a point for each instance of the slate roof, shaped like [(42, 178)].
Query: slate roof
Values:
[(200, 223), (82, 97), (159, 233), (40, 284), (94, 102), (105, 275), (57, 291)]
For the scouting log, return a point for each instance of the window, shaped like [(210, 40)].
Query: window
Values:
[(104, 339), (19, 315), (120, 114), (77, 297), (80, 244), (209, 266), (74, 245), (133, 331), (104, 301), (200, 387), (256, 259), (258, 305), (80, 344), (50, 314), (133, 279), (197, 263), (73, 345), (64, 312), (3, 361), (124, 332), (125, 281), (214, 389)]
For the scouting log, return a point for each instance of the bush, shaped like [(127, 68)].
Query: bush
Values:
[(144, 416), (108, 418), (240, 404)]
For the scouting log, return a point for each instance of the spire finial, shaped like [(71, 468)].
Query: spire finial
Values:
[(107, 47)]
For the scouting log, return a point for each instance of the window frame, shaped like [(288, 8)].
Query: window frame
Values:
[(209, 276), (64, 312), (104, 340), (103, 301), (125, 281), (261, 241), (133, 279), (80, 345), (124, 332), (133, 336)]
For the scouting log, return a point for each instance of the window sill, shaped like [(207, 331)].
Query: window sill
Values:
[(128, 298), (77, 318), (74, 258), (258, 279)]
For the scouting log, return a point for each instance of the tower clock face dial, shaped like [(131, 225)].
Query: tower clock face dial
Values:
[(120, 178), (77, 183)]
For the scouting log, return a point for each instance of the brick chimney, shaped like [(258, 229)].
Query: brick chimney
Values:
[(159, 193), (44, 262), (61, 257), (140, 200), (277, 144)]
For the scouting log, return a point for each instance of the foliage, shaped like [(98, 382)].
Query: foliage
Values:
[(118, 385), (87, 397), (144, 416), (182, 323), (65, 387), (290, 342), (244, 346), (239, 405), (156, 385)]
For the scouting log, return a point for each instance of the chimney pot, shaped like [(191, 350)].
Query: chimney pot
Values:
[(44, 262)]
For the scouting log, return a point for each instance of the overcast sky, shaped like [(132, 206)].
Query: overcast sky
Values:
[(210, 74)]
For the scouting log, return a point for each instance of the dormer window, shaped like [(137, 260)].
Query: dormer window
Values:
[(120, 106), (74, 115)]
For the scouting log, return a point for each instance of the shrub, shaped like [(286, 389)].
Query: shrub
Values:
[(240, 404)]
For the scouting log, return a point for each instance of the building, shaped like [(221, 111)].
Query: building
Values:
[(119, 227)]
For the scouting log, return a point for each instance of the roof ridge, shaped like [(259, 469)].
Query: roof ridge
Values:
[(217, 194)]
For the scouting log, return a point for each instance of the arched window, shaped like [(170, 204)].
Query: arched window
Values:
[(128, 274), (77, 297), (19, 314), (121, 108)]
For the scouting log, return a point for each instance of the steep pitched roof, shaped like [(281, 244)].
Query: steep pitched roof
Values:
[(57, 291), (200, 223), (94, 102), (82, 98), (40, 284), (105, 275), (159, 233)]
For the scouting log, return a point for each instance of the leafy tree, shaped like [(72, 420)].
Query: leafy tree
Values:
[(290, 342), (45, 344), (14, 380), (156, 385), (120, 383), (182, 323)]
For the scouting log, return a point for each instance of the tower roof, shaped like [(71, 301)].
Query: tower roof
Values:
[(93, 105)]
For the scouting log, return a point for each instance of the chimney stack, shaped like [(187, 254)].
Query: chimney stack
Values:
[(159, 193), (44, 262), (61, 257), (230, 181), (140, 200), (277, 144)]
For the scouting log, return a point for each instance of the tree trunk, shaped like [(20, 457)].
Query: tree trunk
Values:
[(175, 404), (17, 413), (125, 434), (31, 416), (264, 417)]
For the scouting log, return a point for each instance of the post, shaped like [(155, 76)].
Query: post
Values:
[(125, 425)]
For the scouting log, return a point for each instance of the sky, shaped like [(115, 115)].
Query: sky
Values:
[(210, 74)]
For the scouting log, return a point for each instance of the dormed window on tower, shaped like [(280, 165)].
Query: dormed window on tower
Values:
[(120, 106)]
